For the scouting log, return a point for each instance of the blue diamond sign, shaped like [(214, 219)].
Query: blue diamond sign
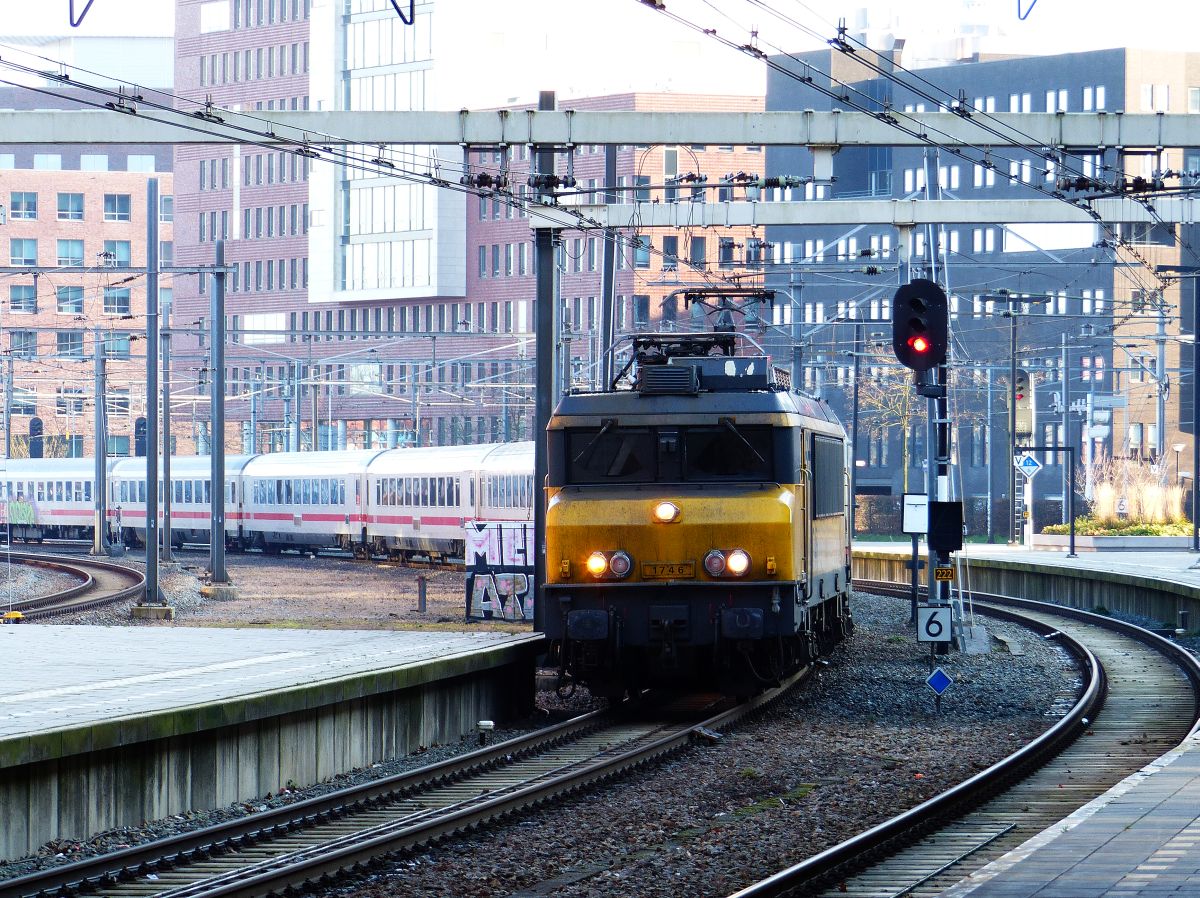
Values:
[(1028, 465), (939, 681)]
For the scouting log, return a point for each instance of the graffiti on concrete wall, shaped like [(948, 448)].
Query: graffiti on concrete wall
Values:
[(500, 566)]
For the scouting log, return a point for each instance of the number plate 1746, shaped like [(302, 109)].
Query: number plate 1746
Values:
[(667, 570)]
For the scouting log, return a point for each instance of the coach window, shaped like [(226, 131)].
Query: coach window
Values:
[(87, 491), (187, 491), (141, 491)]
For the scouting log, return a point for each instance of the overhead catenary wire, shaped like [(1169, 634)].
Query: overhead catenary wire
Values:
[(854, 98)]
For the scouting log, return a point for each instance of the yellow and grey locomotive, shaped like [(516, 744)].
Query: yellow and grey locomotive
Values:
[(696, 524)]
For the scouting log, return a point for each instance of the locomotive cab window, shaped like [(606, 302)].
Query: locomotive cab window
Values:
[(726, 451)]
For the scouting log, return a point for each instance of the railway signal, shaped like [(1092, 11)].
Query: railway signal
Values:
[(920, 325), (1023, 401)]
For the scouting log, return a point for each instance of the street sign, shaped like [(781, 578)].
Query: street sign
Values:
[(939, 681), (914, 517), (933, 623), (1028, 465), (943, 575)]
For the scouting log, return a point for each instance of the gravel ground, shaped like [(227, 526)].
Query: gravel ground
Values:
[(856, 745), (296, 591), (19, 582)]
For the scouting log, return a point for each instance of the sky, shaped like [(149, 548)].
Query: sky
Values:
[(582, 47)]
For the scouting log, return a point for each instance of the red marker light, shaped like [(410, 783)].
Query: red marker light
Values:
[(920, 344)]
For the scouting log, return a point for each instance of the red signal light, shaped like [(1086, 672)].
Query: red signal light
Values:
[(919, 344)]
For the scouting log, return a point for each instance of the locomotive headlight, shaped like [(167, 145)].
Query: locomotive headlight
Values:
[(597, 564), (738, 562), (714, 562), (666, 512), (620, 564)]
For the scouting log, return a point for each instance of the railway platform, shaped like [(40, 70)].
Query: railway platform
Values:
[(1140, 838), (1137, 839), (108, 726)]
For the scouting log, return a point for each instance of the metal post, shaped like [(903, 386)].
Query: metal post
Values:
[(931, 480), (991, 461), (254, 397), (416, 405), (1068, 483), (858, 350), (152, 449), (608, 277), (313, 392), (8, 400), (795, 289), (544, 365), (1012, 424), (1195, 418), (1160, 407), (216, 549), (296, 406), (166, 432), (99, 522), (1071, 498)]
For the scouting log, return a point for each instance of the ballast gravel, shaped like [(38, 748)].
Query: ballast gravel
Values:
[(858, 744)]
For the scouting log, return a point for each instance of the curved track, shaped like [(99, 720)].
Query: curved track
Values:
[(1149, 698), (100, 583)]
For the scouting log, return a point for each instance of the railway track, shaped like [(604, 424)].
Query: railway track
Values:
[(99, 583), (310, 842), (1148, 688)]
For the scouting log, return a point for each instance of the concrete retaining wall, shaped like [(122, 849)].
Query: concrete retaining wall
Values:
[(1147, 596), (70, 784)]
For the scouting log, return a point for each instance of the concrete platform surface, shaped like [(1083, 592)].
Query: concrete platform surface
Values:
[(1139, 838), (56, 677), (1175, 566)]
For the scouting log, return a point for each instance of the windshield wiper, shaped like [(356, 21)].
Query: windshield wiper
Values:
[(732, 428), (605, 426)]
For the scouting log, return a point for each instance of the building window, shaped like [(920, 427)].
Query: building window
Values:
[(641, 311), (116, 207), (22, 205), (22, 298), (116, 253), (23, 344), (70, 300), (697, 251), (47, 161), (24, 402), (641, 251), (166, 206), (116, 345), (116, 300), (93, 162), (70, 207), (69, 344), (70, 252), (68, 401), (22, 251), (725, 252)]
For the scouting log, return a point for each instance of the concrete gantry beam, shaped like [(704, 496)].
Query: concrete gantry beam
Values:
[(899, 213), (488, 128)]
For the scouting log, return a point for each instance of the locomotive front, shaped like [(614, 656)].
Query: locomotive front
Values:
[(696, 529)]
